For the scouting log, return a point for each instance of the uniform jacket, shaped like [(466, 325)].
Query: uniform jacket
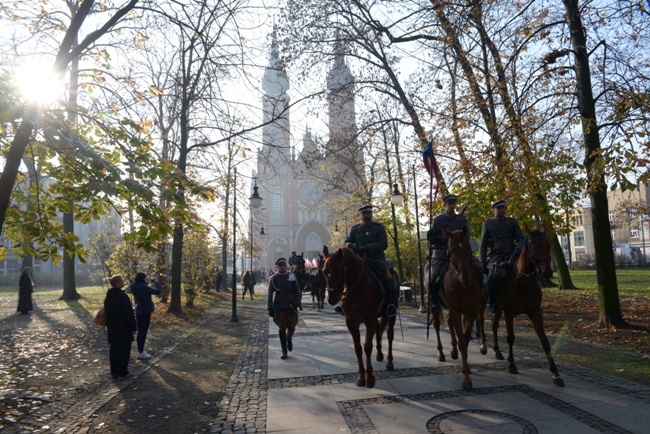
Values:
[(283, 292), (371, 235), (120, 321), (502, 237), (436, 237), (142, 295)]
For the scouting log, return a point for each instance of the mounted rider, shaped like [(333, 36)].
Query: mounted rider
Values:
[(438, 244), (283, 300), (368, 239), (293, 259), (505, 240)]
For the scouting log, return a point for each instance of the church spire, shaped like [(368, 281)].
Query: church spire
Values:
[(275, 81), (274, 57)]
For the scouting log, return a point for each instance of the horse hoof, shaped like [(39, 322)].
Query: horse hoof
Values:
[(389, 366), (467, 385), (370, 382), (483, 349), (558, 381), (454, 355), (513, 369), (380, 357), (498, 355), (441, 357), (361, 383)]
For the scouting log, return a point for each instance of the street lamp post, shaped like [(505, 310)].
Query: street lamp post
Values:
[(254, 201)]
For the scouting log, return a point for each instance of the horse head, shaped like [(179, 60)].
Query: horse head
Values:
[(460, 255), (334, 271), (538, 249)]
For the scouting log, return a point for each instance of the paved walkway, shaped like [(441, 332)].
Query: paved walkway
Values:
[(314, 390)]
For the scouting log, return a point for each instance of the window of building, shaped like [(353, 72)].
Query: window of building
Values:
[(577, 220), (634, 232), (613, 235), (580, 256), (578, 238), (611, 216), (276, 205)]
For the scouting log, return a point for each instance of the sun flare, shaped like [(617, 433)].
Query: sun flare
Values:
[(37, 83)]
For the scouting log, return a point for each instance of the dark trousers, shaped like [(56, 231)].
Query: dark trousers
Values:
[(118, 356), (143, 320)]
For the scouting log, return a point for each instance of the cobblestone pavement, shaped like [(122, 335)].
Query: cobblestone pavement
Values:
[(251, 402)]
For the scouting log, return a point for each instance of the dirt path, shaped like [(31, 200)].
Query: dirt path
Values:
[(54, 368)]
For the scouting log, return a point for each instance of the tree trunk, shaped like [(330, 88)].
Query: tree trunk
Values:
[(177, 262), (69, 279), (562, 271), (609, 304)]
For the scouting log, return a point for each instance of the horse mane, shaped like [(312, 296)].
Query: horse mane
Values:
[(536, 234)]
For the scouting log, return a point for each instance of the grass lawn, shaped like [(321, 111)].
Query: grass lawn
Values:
[(631, 282)]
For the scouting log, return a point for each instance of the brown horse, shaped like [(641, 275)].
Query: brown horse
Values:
[(522, 294), (463, 298), (316, 284), (352, 283)]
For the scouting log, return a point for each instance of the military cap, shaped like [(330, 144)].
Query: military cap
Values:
[(281, 261), (498, 203), (366, 208), (449, 197)]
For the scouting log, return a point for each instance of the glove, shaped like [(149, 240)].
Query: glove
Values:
[(353, 247), (362, 250), (485, 268), (271, 312)]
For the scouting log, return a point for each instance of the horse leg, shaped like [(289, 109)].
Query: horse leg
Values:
[(367, 347), (456, 328), (454, 343), (378, 334), (495, 329), (390, 334), (436, 325), (356, 339), (512, 368), (480, 324), (538, 323)]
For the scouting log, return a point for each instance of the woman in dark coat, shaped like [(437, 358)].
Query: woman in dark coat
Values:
[(144, 307), (26, 285), (121, 326)]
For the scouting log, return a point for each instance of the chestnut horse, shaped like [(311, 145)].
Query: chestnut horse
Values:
[(522, 294), (463, 298), (352, 283)]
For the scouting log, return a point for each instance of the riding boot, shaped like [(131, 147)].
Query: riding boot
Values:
[(492, 297), (283, 344), (289, 342), (435, 295), (389, 286), (338, 309)]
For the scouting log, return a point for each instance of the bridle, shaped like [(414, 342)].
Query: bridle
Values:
[(460, 270), (535, 274), (343, 290)]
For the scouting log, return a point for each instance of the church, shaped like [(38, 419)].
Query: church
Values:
[(303, 191)]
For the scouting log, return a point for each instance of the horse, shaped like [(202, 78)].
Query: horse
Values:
[(317, 284), (463, 297), (522, 294), (352, 283)]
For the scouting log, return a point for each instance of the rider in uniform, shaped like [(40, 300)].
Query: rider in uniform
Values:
[(283, 299), (368, 239), (438, 244), (293, 259), (504, 238)]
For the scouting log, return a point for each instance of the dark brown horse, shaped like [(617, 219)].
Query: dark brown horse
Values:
[(522, 294), (352, 283), (463, 298)]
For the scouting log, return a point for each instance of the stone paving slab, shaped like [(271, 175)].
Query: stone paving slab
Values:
[(314, 390)]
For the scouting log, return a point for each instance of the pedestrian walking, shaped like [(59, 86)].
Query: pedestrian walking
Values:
[(25, 290), (120, 328), (144, 307), (283, 299)]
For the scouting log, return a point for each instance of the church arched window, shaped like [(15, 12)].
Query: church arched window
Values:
[(276, 205)]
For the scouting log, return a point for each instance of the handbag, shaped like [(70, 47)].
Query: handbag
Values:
[(100, 318)]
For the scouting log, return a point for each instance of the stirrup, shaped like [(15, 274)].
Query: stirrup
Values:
[(338, 309), (391, 310)]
